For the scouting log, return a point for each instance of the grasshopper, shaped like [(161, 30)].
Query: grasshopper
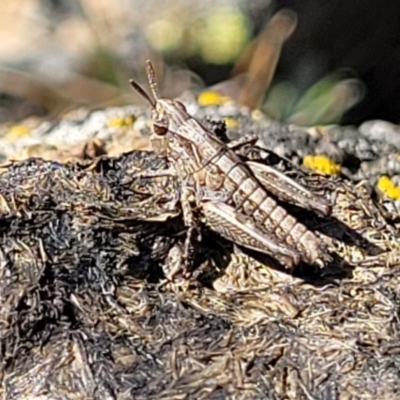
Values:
[(233, 197)]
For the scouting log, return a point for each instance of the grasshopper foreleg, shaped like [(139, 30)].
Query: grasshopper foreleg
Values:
[(183, 261), (187, 200)]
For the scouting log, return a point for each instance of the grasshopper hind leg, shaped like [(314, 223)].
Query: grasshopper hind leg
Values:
[(236, 227)]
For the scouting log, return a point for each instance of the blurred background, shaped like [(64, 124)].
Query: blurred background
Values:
[(305, 62)]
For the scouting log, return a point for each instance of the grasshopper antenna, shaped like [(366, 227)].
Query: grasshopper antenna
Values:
[(151, 76), (141, 91)]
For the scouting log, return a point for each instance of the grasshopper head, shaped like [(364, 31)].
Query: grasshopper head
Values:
[(167, 115)]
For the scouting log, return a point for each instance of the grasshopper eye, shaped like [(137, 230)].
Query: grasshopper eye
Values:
[(160, 130)]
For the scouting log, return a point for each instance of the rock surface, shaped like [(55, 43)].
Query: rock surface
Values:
[(83, 314)]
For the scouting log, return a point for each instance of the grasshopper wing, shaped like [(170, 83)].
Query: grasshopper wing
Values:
[(238, 228), (288, 190)]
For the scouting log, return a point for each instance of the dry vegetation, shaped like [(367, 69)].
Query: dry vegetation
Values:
[(83, 314), (84, 311)]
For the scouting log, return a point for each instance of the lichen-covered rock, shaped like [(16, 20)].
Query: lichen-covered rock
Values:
[(85, 312), (83, 316)]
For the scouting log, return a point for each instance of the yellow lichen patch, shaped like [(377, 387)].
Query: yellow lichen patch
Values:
[(212, 98), (231, 123), (386, 186), (120, 122), (321, 164), (17, 132)]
